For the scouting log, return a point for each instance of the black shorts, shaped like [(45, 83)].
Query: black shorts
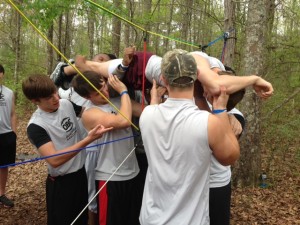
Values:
[(8, 146), (117, 203), (219, 205), (66, 197)]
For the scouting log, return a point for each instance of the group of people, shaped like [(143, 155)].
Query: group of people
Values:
[(176, 170)]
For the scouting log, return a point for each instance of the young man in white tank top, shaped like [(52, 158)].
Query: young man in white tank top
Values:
[(53, 129), (179, 140), (116, 200)]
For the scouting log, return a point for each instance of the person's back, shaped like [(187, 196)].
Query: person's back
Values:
[(179, 140), (175, 189)]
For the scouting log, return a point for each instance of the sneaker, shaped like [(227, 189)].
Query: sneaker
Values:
[(6, 202), (57, 75), (72, 61)]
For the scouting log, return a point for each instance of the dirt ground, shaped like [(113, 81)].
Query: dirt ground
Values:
[(278, 204)]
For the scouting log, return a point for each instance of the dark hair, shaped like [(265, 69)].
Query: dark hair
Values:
[(235, 97), (227, 68), (111, 56), (38, 86), (2, 69), (82, 87)]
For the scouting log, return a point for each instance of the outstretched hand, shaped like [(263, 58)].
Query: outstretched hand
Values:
[(98, 131), (263, 88)]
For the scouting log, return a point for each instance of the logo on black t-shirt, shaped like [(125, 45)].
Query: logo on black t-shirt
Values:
[(67, 124)]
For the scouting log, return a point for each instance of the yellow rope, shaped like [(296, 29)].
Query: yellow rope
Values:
[(62, 55)]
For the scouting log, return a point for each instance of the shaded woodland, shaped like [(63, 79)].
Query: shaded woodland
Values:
[(253, 37)]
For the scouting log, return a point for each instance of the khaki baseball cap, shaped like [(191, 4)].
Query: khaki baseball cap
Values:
[(179, 68)]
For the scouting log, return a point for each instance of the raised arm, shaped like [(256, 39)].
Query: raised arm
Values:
[(117, 66), (221, 138), (212, 82), (120, 120)]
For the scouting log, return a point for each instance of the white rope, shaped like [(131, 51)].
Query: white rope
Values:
[(103, 186)]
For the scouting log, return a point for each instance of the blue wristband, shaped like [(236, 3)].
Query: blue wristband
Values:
[(218, 111), (123, 92)]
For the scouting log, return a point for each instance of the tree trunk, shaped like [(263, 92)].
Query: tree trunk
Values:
[(248, 168), (50, 50), (59, 36), (169, 26), (91, 32), (17, 47), (116, 30), (68, 33), (186, 22), (229, 25)]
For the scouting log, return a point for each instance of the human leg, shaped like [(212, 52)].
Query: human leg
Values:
[(90, 164), (65, 198), (7, 156), (6, 202), (219, 205), (3, 180), (116, 203)]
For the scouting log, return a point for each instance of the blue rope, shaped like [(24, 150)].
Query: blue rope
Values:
[(224, 36), (76, 150)]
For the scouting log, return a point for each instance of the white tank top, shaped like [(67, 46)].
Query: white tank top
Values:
[(177, 183), (6, 100), (63, 129), (113, 151)]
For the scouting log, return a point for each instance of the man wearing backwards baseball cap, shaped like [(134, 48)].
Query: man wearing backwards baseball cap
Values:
[(182, 138)]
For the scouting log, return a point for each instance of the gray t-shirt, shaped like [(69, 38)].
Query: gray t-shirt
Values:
[(6, 101)]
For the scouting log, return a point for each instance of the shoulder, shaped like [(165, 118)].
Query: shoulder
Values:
[(148, 111), (92, 111), (7, 89), (37, 135)]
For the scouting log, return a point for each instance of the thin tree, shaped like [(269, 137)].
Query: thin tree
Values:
[(247, 171), (229, 25)]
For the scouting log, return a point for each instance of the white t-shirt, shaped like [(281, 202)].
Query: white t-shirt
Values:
[(177, 182)]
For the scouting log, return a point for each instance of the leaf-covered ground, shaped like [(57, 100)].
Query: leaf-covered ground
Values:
[(278, 204)]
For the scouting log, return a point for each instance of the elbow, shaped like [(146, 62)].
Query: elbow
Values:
[(125, 124), (231, 158), (53, 163)]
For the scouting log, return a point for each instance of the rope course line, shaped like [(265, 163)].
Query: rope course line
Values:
[(224, 36), (64, 153), (100, 189), (65, 58), (57, 50)]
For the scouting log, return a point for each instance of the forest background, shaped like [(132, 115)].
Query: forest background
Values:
[(253, 37)]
